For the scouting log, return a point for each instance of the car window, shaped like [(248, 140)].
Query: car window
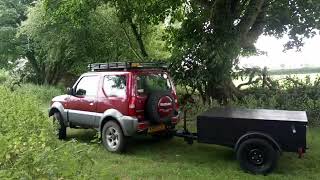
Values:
[(115, 85), (148, 83), (88, 86)]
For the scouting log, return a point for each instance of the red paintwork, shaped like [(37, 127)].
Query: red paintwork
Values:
[(102, 102)]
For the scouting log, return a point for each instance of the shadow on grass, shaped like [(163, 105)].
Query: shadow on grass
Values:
[(200, 155), (169, 151)]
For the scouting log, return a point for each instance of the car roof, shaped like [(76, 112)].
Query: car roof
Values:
[(101, 73)]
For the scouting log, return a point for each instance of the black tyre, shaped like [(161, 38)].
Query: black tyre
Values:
[(113, 138), (61, 127), (154, 104), (257, 156)]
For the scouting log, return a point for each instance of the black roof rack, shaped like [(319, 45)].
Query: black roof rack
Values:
[(126, 66)]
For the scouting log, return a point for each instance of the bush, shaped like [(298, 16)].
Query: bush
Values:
[(43, 93), (3, 76), (29, 148), (292, 94)]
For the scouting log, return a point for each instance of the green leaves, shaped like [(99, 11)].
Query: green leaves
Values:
[(29, 148)]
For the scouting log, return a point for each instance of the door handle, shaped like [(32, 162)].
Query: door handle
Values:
[(91, 104)]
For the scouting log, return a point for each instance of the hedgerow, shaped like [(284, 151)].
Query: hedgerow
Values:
[(29, 148), (291, 93)]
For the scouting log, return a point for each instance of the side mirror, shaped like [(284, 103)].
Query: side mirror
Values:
[(69, 91), (81, 92)]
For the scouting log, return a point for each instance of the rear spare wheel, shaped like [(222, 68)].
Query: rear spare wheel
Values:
[(160, 107)]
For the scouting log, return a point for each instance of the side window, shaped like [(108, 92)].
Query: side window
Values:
[(115, 86), (88, 86)]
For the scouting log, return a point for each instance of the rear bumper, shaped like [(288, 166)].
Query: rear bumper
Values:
[(129, 125), (144, 125)]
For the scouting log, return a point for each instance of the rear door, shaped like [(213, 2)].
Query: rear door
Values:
[(83, 105)]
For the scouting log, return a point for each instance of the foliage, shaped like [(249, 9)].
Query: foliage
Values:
[(3, 76), (64, 37), (214, 33), (293, 94), (12, 13), (43, 93), (29, 148)]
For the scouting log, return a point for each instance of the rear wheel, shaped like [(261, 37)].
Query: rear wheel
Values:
[(257, 156), (61, 127), (113, 138)]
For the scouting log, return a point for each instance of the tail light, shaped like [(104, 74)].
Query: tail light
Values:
[(132, 106), (175, 100)]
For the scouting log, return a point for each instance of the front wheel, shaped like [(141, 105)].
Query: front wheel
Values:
[(257, 156), (113, 138), (61, 127)]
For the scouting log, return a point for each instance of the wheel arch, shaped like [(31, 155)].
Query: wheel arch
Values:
[(53, 110), (258, 135), (56, 107), (107, 119)]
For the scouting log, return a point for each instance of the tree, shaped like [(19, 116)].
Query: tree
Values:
[(141, 14), (12, 13), (68, 35), (214, 34)]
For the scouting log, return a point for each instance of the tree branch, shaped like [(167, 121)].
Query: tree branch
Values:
[(205, 3), (138, 36), (257, 28), (247, 21), (130, 44)]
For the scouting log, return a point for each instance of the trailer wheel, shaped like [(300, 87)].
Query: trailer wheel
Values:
[(257, 156)]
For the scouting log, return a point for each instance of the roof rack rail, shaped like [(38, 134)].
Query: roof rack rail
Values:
[(126, 65)]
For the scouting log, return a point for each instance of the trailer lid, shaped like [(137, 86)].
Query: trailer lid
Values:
[(260, 114)]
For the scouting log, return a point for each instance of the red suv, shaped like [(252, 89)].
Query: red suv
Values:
[(119, 100)]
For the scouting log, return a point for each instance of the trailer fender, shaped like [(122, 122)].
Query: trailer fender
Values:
[(250, 135)]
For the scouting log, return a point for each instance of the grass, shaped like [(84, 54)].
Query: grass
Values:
[(313, 77), (147, 158)]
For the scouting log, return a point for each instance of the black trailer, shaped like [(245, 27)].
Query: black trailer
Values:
[(258, 136)]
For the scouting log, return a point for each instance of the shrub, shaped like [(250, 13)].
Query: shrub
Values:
[(291, 94), (43, 93), (3, 76), (29, 148)]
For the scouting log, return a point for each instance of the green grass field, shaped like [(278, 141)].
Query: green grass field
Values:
[(147, 158), (281, 77)]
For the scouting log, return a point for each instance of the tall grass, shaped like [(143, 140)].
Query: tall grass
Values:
[(29, 148), (43, 93)]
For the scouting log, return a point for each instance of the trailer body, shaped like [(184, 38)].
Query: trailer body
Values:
[(229, 126)]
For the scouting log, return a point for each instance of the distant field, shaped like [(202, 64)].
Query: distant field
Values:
[(279, 76), (306, 70)]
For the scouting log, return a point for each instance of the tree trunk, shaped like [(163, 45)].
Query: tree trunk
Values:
[(138, 37), (35, 66)]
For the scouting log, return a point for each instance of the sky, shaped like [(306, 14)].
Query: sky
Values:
[(308, 57)]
